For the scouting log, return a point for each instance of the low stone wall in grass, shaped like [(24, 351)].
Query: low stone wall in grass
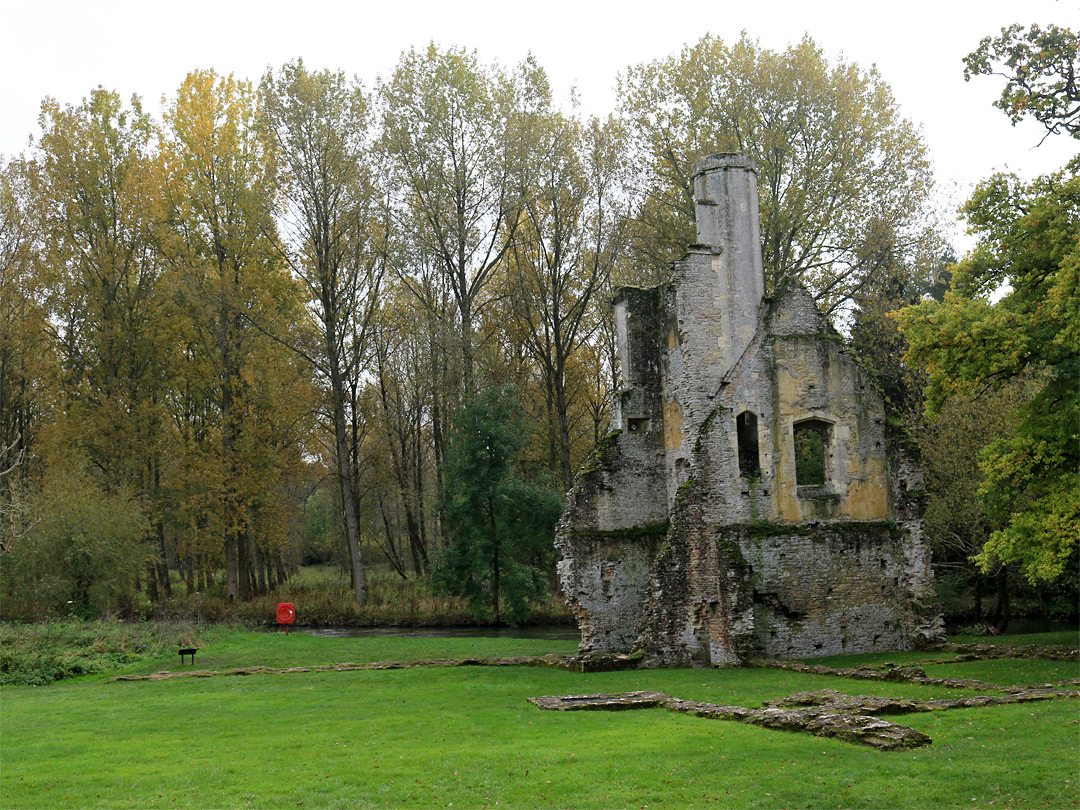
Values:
[(823, 713)]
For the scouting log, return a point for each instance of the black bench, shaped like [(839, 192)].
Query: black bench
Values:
[(187, 651)]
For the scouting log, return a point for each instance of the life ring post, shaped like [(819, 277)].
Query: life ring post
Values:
[(286, 615)]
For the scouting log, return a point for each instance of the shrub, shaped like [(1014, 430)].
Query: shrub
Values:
[(81, 557)]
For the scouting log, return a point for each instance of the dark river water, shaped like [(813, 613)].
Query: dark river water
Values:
[(568, 633), (547, 632)]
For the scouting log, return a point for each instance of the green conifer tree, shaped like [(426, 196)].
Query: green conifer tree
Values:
[(499, 522)]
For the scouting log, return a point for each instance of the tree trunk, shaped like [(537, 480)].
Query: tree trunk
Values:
[(465, 309), (978, 597), (260, 572), (418, 489), (163, 562), (564, 428), (232, 584), (151, 582), (349, 509), (438, 432), (159, 529), (282, 574), (494, 563), (416, 544), (229, 433), (392, 554), (243, 565), (1002, 610)]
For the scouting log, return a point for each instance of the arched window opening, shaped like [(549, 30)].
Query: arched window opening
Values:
[(746, 431), (811, 448)]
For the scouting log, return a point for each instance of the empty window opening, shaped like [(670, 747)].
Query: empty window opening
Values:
[(811, 441), (637, 425), (746, 431)]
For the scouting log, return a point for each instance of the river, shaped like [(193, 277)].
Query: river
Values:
[(546, 632)]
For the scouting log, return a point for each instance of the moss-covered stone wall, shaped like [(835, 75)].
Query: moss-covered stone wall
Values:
[(669, 547)]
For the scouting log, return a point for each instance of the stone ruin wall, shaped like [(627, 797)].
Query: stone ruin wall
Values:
[(667, 549)]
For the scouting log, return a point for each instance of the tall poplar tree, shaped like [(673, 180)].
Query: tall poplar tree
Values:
[(223, 230), (28, 367), (97, 198), (562, 257), (335, 232), (403, 362), (455, 132)]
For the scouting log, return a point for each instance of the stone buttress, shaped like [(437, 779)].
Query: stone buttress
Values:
[(749, 499)]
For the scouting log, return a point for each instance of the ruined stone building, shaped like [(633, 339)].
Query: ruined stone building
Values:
[(748, 500)]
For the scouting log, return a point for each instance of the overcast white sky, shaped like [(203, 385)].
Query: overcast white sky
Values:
[(63, 48)]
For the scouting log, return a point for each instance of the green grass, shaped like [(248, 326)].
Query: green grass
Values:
[(466, 737), (902, 658), (1065, 637), (1007, 671)]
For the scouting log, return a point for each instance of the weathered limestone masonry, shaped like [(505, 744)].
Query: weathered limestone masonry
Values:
[(748, 500)]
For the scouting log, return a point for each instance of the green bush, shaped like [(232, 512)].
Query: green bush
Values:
[(82, 555)]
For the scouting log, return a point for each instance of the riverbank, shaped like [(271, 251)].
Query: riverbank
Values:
[(323, 598), (36, 653)]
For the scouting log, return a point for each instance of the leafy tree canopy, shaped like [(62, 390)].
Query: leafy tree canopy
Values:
[(1040, 65), (1029, 239), (843, 176), (1029, 247)]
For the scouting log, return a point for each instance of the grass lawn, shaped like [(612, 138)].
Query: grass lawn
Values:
[(466, 737)]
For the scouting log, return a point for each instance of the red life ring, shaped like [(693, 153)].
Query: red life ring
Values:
[(286, 613)]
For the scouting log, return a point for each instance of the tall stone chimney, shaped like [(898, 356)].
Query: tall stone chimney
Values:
[(720, 303)]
